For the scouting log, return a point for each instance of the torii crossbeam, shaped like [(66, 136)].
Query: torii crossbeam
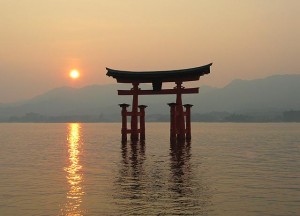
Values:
[(180, 120)]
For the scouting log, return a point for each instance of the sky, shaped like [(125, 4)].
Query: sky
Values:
[(42, 40)]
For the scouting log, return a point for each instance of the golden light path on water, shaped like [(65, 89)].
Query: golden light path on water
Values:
[(74, 176)]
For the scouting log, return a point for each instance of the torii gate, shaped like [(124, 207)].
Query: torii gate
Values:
[(180, 121)]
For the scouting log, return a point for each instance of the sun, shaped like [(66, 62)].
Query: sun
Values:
[(74, 74)]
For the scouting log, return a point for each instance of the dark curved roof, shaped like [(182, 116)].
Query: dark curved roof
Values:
[(190, 74)]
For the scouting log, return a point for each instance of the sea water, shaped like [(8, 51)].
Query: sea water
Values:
[(84, 169)]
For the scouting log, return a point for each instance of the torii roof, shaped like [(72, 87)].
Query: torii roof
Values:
[(189, 74)]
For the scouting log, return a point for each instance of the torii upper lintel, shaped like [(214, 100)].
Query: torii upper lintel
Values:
[(155, 77)]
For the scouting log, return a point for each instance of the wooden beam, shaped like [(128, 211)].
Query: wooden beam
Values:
[(163, 91)]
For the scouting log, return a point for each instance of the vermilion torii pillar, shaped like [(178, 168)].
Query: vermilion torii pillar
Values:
[(173, 128), (179, 112), (142, 122), (125, 130), (124, 121), (180, 128), (134, 114), (188, 121), (175, 132)]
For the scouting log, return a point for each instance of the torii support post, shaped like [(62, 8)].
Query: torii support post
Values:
[(172, 121), (124, 121), (188, 121), (142, 122)]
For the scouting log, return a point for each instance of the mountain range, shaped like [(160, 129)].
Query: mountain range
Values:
[(273, 94)]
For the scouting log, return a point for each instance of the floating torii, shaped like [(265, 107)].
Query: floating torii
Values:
[(180, 121)]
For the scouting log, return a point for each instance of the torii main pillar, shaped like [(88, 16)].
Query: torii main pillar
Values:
[(179, 112), (134, 114)]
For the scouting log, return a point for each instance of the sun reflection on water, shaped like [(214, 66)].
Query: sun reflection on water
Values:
[(74, 175)]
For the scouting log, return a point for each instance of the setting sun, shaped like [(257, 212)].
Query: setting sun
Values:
[(74, 74)]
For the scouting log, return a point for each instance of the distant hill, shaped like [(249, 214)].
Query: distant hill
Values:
[(277, 93)]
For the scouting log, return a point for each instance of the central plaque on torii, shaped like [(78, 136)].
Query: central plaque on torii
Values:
[(180, 121)]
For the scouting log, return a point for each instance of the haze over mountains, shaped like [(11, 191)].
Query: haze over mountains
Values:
[(273, 94)]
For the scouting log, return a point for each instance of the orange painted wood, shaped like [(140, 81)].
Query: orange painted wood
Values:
[(163, 91)]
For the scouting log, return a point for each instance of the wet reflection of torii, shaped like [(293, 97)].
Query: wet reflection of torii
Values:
[(139, 186), (132, 170), (180, 119), (180, 156)]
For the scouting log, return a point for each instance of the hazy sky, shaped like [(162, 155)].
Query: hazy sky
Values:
[(41, 40)]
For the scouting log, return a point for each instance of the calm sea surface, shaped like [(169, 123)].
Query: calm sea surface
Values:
[(83, 169)]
